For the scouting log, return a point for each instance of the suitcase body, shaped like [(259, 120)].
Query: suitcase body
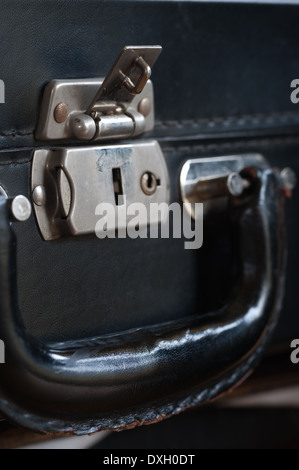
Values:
[(222, 88)]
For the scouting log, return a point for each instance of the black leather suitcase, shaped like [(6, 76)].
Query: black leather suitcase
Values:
[(113, 332)]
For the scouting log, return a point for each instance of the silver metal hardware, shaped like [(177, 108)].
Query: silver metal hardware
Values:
[(19, 207), (61, 112), (289, 179), (69, 183), (39, 195), (236, 184), (149, 183), (144, 106), (219, 186), (119, 106), (214, 180)]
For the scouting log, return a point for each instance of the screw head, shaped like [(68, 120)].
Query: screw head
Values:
[(289, 179), (145, 107), (20, 208), (61, 112), (148, 183)]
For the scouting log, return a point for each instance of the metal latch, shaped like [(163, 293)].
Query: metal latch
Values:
[(69, 184), (119, 106)]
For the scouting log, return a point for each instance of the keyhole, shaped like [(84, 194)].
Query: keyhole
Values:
[(118, 186), (149, 183)]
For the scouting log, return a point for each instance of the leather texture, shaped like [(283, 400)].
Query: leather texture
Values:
[(141, 376), (222, 87), (60, 282), (225, 68)]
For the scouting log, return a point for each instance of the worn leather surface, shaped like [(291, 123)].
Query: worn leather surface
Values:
[(222, 86), (146, 374), (74, 288), (225, 68)]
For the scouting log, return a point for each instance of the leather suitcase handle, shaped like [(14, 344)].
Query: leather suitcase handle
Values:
[(141, 376)]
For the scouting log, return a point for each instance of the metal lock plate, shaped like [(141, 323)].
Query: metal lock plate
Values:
[(69, 183)]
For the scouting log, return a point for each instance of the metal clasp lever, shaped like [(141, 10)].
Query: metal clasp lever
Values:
[(110, 113), (119, 106), (133, 64)]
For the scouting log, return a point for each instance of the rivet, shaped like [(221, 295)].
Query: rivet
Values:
[(145, 106), (20, 208), (39, 195), (61, 112)]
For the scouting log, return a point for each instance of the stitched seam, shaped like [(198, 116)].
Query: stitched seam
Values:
[(230, 145), (204, 147), (14, 163), (15, 133), (238, 119)]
